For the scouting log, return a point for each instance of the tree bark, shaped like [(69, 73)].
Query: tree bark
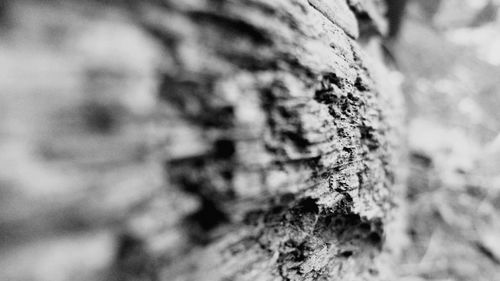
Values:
[(263, 143)]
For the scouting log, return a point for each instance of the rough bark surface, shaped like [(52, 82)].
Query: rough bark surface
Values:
[(261, 144)]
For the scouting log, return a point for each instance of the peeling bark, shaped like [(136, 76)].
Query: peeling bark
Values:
[(273, 151)]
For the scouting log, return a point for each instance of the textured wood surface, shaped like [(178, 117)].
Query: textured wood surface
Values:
[(198, 140)]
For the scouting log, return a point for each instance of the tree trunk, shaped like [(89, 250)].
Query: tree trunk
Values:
[(200, 140)]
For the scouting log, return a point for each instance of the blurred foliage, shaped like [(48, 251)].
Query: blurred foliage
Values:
[(448, 51)]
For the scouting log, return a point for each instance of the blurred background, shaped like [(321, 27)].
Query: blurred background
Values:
[(101, 68), (449, 54)]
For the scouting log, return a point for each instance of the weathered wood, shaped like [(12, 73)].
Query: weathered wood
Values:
[(266, 151)]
